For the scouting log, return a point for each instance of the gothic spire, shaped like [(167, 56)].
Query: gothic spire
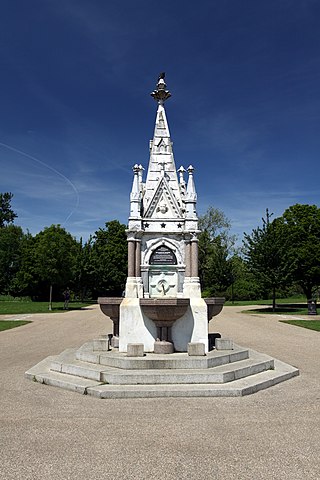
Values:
[(161, 163)]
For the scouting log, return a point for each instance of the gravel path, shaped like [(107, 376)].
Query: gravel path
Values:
[(49, 433)]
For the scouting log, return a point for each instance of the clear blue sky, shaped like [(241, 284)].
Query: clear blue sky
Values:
[(76, 114)]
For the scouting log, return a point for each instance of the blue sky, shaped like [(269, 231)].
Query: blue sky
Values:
[(76, 114)]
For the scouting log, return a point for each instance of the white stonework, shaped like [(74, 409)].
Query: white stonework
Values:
[(135, 327), (192, 327), (163, 219)]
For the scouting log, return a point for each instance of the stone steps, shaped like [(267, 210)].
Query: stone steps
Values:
[(42, 373), (168, 377), (240, 387), (236, 378), (68, 364), (156, 361)]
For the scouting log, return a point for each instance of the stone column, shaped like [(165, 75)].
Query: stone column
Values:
[(131, 257), (188, 258), (194, 257), (138, 258)]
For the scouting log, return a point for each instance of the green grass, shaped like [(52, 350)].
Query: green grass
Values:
[(287, 310), (15, 307), (298, 299), (7, 324), (311, 324), (290, 306)]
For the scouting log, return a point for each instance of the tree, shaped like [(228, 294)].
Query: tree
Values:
[(244, 285), (217, 274), (25, 282), (108, 259), (266, 254), (55, 253), (83, 279), (215, 249), (7, 215), (11, 238), (302, 229), (215, 223)]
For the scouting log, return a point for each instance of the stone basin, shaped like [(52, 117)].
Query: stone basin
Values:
[(214, 306), (110, 306), (164, 311)]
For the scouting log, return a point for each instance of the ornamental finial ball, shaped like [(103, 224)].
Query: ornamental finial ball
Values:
[(160, 94)]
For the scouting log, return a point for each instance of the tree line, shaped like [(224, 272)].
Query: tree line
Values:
[(278, 258), (54, 259)]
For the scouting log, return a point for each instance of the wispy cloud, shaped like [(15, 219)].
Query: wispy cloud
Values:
[(79, 202)]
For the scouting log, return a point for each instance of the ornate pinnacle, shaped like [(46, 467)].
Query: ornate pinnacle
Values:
[(181, 171), (160, 94)]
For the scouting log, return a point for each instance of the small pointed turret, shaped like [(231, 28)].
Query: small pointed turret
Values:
[(191, 196), (191, 189), (135, 196)]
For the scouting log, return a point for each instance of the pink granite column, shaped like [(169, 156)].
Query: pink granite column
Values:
[(131, 257), (138, 258), (188, 259), (194, 257)]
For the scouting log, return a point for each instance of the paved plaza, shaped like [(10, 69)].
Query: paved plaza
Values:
[(50, 433)]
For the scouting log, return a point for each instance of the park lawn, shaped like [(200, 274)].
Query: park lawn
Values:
[(311, 324), (7, 324), (16, 307), (290, 300), (287, 310)]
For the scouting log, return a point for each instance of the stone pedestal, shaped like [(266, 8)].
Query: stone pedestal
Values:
[(224, 344), (196, 349), (163, 347), (100, 344), (115, 342), (135, 350)]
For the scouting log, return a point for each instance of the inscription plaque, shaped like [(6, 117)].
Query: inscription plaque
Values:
[(163, 256)]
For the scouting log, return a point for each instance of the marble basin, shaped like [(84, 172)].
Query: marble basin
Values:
[(164, 311), (214, 306), (110, 306)]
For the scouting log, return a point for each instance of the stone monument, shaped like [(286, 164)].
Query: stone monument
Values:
[(159, 345), (163, 294)]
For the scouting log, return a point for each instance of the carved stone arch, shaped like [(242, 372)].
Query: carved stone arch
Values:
[(171, 244), (163, 255)]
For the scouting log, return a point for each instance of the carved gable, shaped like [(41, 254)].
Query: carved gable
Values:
[(163, 203)]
